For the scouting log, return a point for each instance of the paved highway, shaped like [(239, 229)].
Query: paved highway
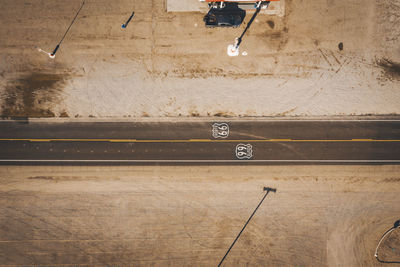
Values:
[(225, 141)]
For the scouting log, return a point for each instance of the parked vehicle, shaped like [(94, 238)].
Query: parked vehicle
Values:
[(230, 15)]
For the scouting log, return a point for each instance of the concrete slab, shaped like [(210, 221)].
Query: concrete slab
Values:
[(186, 6), (275, 8)]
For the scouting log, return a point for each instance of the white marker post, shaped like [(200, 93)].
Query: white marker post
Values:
[(233, 49)]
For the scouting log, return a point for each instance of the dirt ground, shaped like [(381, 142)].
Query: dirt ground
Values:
[(188, 216), (169, 64)]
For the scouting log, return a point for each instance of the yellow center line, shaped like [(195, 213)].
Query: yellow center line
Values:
[(123, 140), (194, 140)]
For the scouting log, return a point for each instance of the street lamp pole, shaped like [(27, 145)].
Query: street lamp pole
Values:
[(233, 50)]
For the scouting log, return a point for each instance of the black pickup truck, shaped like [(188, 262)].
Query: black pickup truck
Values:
[(231, 15)]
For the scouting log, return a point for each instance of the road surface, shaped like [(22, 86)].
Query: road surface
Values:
[(225, 141)]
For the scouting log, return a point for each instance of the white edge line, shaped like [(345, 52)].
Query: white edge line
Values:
[(200, 161)]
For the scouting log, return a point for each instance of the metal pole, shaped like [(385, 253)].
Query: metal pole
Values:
[(127, 22), (239, 40), (268, 189), (65, 34)]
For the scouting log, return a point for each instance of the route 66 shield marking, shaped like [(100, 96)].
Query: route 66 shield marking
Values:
[(220, 130), (244, 151)]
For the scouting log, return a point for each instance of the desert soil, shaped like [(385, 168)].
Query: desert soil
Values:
[(169, 64), (188, 216)]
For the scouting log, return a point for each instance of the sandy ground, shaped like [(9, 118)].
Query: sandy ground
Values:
[(188, 216), (169, 64)]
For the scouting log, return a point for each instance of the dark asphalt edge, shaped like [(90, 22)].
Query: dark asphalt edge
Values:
[(384, 117)]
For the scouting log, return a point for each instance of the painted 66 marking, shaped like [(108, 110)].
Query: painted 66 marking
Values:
[(220, 130), (244, 151)]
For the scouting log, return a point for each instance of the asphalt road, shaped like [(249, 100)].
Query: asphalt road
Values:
[(363, 141)]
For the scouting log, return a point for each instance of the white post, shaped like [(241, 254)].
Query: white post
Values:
[(233, 49)]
